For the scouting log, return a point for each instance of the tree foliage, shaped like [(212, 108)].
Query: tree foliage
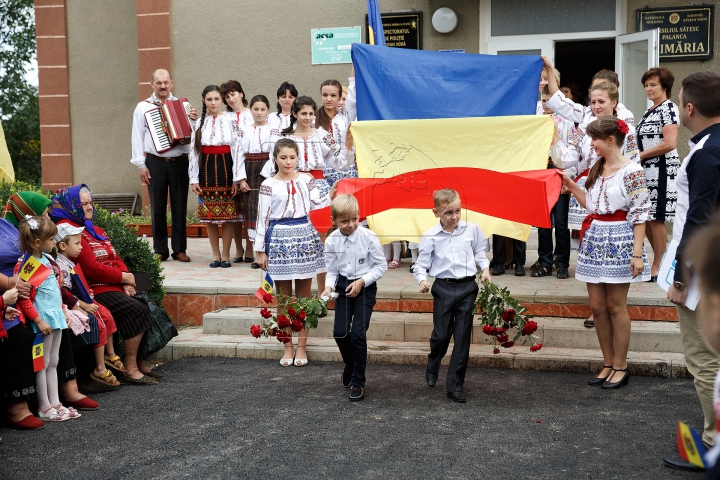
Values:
[(19, 109)]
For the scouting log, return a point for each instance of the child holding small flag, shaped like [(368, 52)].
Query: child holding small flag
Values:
[(45, 310)]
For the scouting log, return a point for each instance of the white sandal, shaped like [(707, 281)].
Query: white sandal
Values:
[(301, 363), (72, 413), (286, 362), (50, 414)]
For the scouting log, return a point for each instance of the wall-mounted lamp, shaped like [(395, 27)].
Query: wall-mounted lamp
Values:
[(444, 20)]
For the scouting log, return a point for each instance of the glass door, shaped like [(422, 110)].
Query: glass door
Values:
[(635, 54)]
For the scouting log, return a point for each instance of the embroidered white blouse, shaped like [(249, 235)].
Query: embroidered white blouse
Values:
[(578, 152), (583, 115), (238, 120), (253, 139), (215, 132), (316, 152), (625, 189), (338, 127), (279, 121), (286, 199)]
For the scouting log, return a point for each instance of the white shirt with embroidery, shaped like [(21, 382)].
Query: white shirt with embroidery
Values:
[(215, 131), (625, 189), (583, 115), (316, 152), (239, 120), (279, 121), (578, 152), (253, 139)]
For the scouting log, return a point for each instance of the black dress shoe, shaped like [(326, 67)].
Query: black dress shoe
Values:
[(595, 381), (431, 379), (346, 376), (357, 394), (519, 270), (254, 265), (456, 397), (589, 323), (498, 269), (620, 383), (680, 464)]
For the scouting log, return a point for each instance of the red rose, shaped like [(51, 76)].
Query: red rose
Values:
[(265, 313), (283, 321), (503, 338), (292, 312), (536, 347), (284, 337), (508, 315), (273, 332), (500, 330), (508, 344), (296, 325), (496, 351), (267, 298), (530, 328), (256, 331), (302, 315), (488, 330)]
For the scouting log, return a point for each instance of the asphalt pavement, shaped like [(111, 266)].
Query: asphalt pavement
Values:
[(235, 418)]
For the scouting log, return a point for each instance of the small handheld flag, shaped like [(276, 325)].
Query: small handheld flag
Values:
[(376, 34), (80, 283), (38, 352), (32, 271), (266, 288), (690, 445)]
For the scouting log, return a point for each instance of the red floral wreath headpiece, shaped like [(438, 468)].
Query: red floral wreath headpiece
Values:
[(622, 126)]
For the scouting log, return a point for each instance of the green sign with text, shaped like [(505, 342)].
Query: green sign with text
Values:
[(332, 45)]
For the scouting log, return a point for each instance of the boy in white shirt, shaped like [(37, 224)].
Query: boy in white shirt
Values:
[(450, 252), (355, 262)]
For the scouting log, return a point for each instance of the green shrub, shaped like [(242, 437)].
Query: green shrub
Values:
[(7, 189)]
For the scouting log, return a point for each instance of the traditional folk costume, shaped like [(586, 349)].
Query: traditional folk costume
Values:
[(660, 171), (253, 149), (583, 115), (284, 232), (614, 205), (214, 171), (338, 129), (240, 120), (279, 121), (578, 156), (316, 153)]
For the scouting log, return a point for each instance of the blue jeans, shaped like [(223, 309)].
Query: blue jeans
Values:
[(559, 217)]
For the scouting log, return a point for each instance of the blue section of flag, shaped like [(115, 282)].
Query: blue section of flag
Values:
[(401, 84), (375, 22)]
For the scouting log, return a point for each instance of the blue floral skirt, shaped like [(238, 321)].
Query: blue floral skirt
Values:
[(295, 252), (605, 254)]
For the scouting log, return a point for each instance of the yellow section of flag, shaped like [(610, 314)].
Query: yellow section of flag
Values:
[(385, 148), (29, 267), (38, 350), (7, 172)]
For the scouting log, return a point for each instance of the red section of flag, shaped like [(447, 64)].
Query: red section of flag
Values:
[(523, 197)]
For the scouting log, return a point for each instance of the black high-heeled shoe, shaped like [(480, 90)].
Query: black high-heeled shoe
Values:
[(619, 384), (595, 381)]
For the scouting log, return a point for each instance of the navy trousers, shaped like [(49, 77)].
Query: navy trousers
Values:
[(452, 317), (352, 320)]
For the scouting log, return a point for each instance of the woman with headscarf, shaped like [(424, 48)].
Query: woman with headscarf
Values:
[(108, 277), (18, 383)]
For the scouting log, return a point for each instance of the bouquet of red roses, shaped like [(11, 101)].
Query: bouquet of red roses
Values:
[(299, 313), (501, 316)]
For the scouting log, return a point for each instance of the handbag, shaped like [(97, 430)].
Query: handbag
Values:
[(160, 332), (86, 338)]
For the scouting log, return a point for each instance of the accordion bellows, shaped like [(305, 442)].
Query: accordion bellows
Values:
[(169, 124)]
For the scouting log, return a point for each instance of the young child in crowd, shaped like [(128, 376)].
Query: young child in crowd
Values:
[(287, 246), (252, 150), (69, 244), (355, 262), (45, 310), (451, 251)]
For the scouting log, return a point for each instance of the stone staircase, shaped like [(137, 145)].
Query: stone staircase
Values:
[(402, 337)]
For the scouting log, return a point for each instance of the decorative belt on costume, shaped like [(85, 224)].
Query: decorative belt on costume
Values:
[(257, 157), (584, 173), (215, 150), (281, 221), (616, 216), (317, 174), (456, 280)]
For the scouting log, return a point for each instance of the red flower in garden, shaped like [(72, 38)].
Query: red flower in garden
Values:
[(284, 337), (256, 331), (267, 297), (283, 321), (529, 328), (302, 315), (488, 330), (536, 347), (296, 325), (508, 315), (496, 351), (265, 313), (508, 344), (291, 312), (503, 338)]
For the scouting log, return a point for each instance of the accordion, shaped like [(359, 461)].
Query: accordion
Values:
[(169, 124)]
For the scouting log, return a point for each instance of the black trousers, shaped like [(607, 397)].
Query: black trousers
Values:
[(352, 320), (559, 217), (168, 176), (452, 316), (519, 248)]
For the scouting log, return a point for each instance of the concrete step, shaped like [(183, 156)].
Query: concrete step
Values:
[(645, 336), (192, 342)]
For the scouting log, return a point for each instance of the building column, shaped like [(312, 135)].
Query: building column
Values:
[(153, 33), (55, 142)]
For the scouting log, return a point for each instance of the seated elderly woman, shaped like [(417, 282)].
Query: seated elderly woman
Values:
[(18, 383), (108, 277)]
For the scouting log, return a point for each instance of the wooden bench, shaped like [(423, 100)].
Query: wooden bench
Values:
[(116, 201)]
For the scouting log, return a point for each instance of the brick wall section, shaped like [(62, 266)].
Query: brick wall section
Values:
[(56, 153), (153, 33)]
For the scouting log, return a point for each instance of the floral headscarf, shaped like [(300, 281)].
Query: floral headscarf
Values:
[(24, 203), (67, 205)]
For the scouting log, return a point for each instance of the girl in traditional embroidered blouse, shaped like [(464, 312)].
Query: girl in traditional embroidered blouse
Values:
[(611, 250), (252, 150), (212, 163), (286, 95), (332, 119), (287, 246)]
